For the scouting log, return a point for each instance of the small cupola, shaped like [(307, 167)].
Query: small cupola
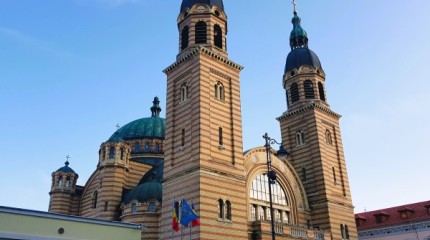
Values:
[(64, 179)]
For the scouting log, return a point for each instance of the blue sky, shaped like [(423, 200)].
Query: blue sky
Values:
[(71, 70)]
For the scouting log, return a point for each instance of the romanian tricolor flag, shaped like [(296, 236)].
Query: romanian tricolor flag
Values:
[(175, 216), (195, 222)]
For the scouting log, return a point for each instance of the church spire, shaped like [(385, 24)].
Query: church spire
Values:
[(298, 36)]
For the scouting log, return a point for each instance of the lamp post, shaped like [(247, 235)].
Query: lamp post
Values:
[(271, 175)]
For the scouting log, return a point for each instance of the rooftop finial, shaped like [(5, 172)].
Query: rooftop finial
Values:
[(117, 126), (67, 160), (295, 4), (155, 109)]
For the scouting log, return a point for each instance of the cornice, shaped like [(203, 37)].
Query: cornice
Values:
[(310, 106), (202, 50)]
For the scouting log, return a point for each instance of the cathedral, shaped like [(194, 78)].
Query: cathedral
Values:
[(196, 153)]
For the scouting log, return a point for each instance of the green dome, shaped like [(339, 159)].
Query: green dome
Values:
[(152, 127), (151, 190)]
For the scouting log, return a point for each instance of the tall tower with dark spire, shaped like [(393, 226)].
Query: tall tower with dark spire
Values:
[(203, 148), (310, 130)]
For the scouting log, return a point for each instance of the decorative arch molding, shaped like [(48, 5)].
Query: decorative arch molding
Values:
[(255, 164)]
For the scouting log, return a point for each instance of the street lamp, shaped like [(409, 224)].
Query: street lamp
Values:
[(271, 175)]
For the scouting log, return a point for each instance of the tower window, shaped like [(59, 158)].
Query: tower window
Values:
[(300, 138), (184, 37), (95, 196), (220, 140), (334, 175), (309, 89), (106, 206), (137, 148), (220, 208), (219, 91), (152, 207), (304, 177), (157, 148), (328, 139), (60, 181), (111, 153), (184, 92), (147, 147), (183, 137), (201, 32), (68, 182), (288, 100), (294, 92), (122, 154), (218, 36), (228, 210), (321, 91), (133, 208)]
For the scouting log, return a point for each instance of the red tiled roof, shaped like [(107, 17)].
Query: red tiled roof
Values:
[(418, 212)]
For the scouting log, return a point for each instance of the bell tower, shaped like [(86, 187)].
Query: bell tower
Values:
[(311, 132), (203, 148)]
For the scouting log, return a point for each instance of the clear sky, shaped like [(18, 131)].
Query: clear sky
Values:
[(71, 70)]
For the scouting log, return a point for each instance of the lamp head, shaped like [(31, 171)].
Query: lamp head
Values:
[(282, 153)]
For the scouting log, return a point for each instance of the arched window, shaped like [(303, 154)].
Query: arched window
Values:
[(300, 138), (147, 147), (60, 181), (309, 89), (111, 153), (228, 210), (134, 208), (157, 148), (137, 148), (122, 154), (201, 32), (103, 155), (152, 207), (260, 191), (95, 196), (286, 96), (328, 137), (219, 91), (218, 36), (321, 91), (259, 196), (346, 232), (342, 231), (220, 208), (184, 37), (294, 92), (184, 92), (68, 182)]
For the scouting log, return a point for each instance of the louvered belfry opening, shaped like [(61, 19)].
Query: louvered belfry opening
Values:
[(201, 32)]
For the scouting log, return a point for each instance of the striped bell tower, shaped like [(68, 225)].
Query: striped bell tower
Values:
[(311, 132), (203, 148)]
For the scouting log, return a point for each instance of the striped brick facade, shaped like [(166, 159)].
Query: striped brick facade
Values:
[(319, 159)]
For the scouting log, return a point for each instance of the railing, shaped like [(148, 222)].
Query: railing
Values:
[(260, 228)]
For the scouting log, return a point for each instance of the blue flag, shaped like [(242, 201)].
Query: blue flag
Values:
[(187, 214)]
